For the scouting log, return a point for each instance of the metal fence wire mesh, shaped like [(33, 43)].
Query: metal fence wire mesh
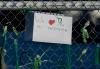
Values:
[(21, 54)]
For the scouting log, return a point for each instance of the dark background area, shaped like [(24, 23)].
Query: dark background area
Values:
[(16, 17)]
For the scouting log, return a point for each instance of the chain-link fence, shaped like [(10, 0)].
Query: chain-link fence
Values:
[(21, 54)]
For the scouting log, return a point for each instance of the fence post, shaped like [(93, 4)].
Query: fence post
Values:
[(97, 54), (69, 57)]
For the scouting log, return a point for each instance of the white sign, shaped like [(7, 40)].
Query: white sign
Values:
[(52, 28)]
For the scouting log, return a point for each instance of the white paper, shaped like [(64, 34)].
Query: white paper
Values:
[(52, 28)]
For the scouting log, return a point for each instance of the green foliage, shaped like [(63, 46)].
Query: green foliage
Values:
[(37, 62), (4, 31), (85, 34), (15, 31)]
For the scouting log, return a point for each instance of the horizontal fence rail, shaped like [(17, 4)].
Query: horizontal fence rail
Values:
[(50, 5)]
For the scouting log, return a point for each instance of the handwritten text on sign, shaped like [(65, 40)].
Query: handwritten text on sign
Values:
[(52, 28)]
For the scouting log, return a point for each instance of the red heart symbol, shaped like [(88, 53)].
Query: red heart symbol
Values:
[(51, 22)]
